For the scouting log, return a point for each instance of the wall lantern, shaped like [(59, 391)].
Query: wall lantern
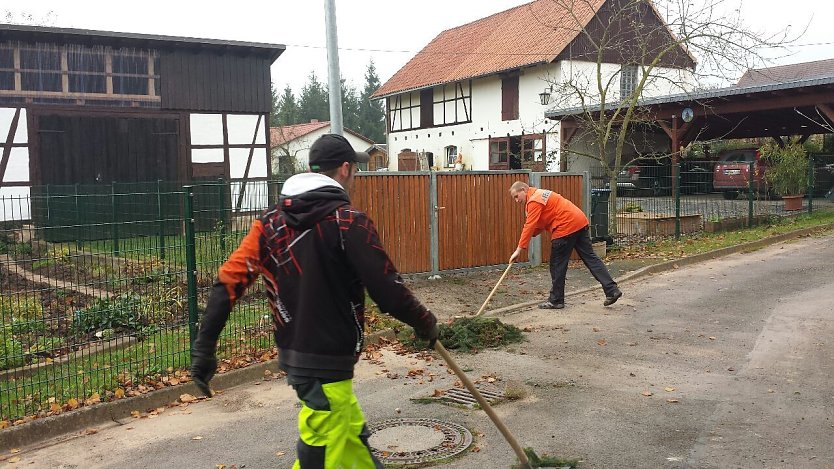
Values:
[(544, 96)]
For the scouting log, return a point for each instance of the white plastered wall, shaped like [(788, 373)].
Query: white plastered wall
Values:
[(300, 147), (241, 129), (15, 200)]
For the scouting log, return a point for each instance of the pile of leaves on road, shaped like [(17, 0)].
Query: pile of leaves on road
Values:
[(471, 335)]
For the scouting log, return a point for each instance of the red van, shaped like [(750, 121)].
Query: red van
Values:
[(732, 172)]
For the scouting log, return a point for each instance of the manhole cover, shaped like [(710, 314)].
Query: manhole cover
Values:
[(411, 441)]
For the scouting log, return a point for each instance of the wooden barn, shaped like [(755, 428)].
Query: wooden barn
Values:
[(93, 107)]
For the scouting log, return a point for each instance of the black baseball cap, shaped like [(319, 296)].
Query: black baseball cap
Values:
[(331, 150)]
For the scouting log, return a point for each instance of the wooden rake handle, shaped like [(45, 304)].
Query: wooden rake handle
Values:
[(519, 452), (506, 271)]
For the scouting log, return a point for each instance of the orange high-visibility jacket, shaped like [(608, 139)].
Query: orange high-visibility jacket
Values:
[(549, 211)]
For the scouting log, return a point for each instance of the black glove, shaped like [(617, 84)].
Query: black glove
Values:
[(202, 371), (430, 335)]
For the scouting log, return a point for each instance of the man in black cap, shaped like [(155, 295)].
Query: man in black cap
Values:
[(316, 254)]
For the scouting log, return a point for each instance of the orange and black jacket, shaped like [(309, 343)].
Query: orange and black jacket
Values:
[(317, 254)]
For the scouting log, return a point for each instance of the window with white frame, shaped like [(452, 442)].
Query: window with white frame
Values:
[(628, 80), (451, 155)]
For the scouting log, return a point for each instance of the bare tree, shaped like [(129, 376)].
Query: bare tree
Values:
[(23, 17), (632, 49)]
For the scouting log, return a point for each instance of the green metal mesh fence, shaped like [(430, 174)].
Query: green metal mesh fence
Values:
[(95, 289)]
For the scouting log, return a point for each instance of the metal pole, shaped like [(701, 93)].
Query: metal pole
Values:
[(115, 219), (810, 183), (678, 201), (333, 78), (190, 262), (77, 221), (750, 194), (221, 218), (161, 215), (534, 249), (434, 222)]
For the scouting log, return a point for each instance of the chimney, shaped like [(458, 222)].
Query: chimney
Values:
[(314, 121)]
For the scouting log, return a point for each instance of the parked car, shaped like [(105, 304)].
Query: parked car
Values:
[(653, 176), (731, 175)]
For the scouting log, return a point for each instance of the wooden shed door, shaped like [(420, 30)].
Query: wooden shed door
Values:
[(89, 150)]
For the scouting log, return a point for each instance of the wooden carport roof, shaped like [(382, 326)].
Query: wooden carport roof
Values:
[(801, 107)]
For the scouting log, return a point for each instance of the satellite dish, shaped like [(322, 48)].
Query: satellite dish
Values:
[(687, 114)]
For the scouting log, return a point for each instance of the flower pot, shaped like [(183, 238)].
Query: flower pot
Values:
[(793, 202)]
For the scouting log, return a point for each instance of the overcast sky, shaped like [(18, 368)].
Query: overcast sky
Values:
[(389, 32)]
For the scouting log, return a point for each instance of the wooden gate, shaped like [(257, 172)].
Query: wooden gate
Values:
[(478, 222), (399, 206)]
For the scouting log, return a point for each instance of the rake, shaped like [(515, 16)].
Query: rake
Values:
[(519, 452), (489, 297)]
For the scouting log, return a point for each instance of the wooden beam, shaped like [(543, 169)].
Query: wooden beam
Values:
[(803, 139), (248, 164), (826, 109), (751, 104), (663, 125), (7, 149)]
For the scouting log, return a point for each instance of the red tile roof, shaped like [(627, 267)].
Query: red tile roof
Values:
[(287, 133), (528, 34), (788, 73)]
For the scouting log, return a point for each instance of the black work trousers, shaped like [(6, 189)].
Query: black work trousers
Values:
[(560, 250)]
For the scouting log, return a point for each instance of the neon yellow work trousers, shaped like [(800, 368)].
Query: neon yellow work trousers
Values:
[(331, 426)]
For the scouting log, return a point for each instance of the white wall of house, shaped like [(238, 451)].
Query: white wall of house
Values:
[(241, 129), (14, 201), (300, 147), (472, 139), (641, 144)]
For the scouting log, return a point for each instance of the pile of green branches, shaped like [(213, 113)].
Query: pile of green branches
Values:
[(472, 334)]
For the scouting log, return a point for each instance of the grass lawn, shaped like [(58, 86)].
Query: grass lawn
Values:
[(704, 242)]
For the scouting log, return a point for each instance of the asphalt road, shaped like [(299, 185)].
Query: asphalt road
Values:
[(720, 365)]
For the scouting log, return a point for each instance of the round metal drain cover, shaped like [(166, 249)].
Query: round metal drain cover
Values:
[(411, 441)]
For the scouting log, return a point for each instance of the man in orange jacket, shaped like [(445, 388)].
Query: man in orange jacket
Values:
[(568, 227)]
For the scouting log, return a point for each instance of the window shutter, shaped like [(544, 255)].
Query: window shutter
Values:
[(509, 98)]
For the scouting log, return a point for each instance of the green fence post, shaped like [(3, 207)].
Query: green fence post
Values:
[(750, 194), (190, 262), (160, 211), (77, 221), (678, 201), (115, 227), (810, 183), (221, 190), (47, 204)]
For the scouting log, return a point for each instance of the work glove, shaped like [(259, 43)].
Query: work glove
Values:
[(429, 335), (202, 371)]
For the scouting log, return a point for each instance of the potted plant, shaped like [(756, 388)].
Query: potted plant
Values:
[(787, 172)]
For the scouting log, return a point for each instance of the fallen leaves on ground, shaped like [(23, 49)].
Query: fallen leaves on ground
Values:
[(672, 401), (669, 389), (647, 393)]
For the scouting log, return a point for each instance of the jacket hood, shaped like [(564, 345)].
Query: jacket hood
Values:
[(309, 197)]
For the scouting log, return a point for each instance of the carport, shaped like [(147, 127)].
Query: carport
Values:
[(799, 107)]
